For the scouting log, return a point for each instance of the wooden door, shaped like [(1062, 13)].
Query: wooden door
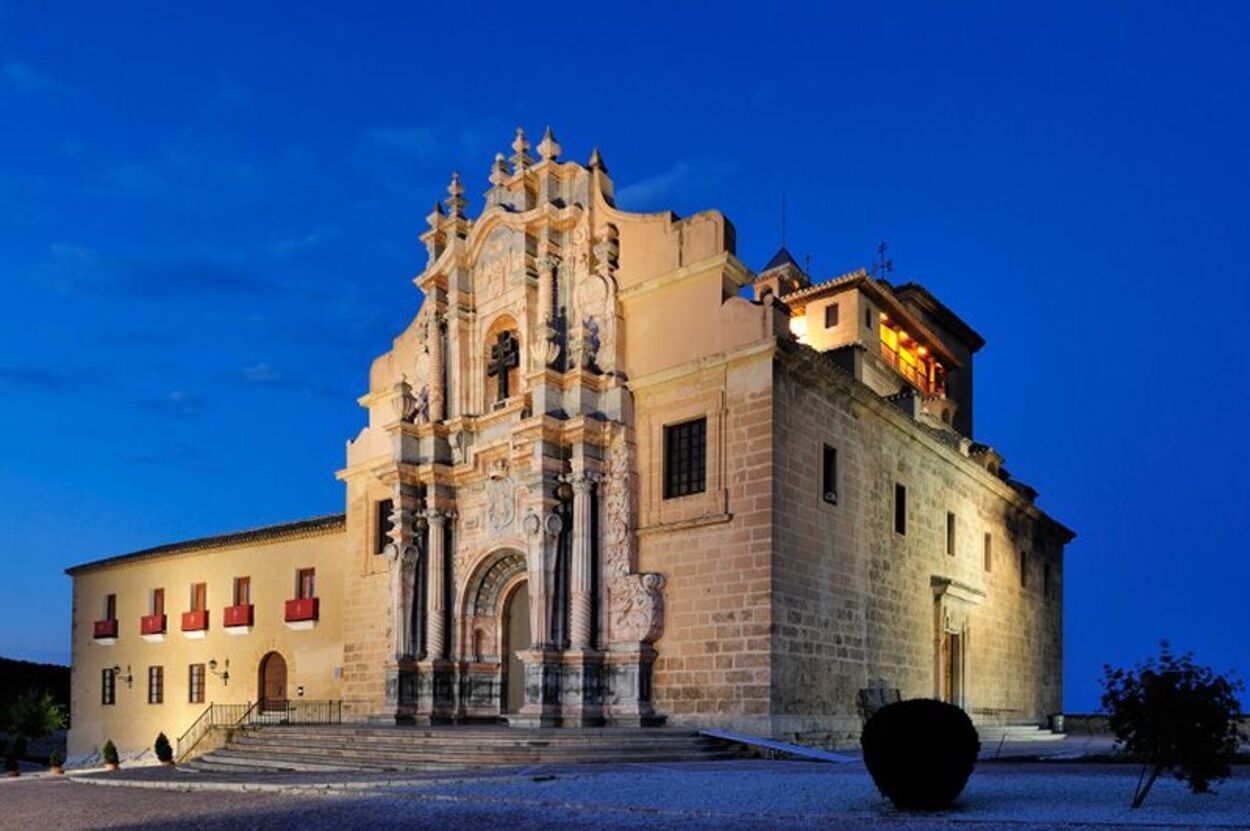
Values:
[(272, 681), (199, 597), (516, 637)]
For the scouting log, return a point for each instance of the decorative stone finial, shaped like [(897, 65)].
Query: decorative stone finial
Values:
[(596, 161), (521, 159), (549, 149), (499, 171), (455, 199)]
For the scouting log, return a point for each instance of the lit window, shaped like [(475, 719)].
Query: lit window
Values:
[(685, 458), (108, 687), (195, 684), (156, 685)]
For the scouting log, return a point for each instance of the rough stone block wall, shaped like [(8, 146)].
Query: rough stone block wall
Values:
[(853, 601), (713, 664), (366, 592)]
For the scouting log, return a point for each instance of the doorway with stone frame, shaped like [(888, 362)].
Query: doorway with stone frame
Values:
[(515, 631), (496, 624), (953, 603)]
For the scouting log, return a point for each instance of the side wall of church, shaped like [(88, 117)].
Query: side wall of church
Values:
[(366, 592), (854, 601), (314, 656), (713, 548)]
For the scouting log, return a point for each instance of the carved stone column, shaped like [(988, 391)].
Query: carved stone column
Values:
[(435, 696), (436, 586), (438, 395), (541, 660), (581, 568), (548, 341)]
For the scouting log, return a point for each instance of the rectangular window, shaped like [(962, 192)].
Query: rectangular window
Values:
[(384, 525), (685, 458), (242, 591), (110, 607), (831, 315), (950, 533), (989, 552), (900, 509), (156, 685), (158, 602), (867, 316), (108, 687), (195, 684), (829, 468), (199, 597), (306, 583), (1046, 580), (1024, 569)]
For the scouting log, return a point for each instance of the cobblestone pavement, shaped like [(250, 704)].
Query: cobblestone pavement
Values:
[(789, 796)]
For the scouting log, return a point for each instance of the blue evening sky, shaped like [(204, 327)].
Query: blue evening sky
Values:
[(209, 217)]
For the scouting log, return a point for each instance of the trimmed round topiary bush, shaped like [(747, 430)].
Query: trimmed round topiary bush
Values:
[(920, 753), (109, 752), (56, 762), (164, 752)]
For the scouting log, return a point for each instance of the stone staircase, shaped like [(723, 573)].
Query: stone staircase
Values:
[(275, 748), (993, 735)]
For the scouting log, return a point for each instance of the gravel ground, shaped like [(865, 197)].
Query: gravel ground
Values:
[(722, 795)]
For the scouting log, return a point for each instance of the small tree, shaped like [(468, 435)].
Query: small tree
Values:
[(10, 758), (1177, 717), (109, 752), (164, 752), (35, 714), (56, 760)]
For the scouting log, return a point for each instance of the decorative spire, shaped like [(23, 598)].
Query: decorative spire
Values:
[(437, 215), (521, 159), (455, 199), (596, 161), (499, 171), (549, 149)]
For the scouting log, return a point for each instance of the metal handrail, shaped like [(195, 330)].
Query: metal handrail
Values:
[(256, 713)]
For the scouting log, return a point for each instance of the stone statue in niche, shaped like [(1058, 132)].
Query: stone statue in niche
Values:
[(422, 413), (590, 343), (635, 601), (500, 497), (403, 574)]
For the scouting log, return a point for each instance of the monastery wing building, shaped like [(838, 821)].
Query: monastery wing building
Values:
[(612, 476)]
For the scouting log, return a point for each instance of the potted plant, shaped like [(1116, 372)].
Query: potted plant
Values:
[(109, 751), (56, 763), (10, 760), (164, 752)]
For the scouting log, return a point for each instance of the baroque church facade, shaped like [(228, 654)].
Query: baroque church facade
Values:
[(610, 475)]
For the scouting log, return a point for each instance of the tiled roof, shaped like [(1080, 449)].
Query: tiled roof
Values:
[(263, 534)]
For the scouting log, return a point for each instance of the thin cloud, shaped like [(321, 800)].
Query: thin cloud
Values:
[(24, 79), (176, 404), (45, 380), (683, 179), (71, 268)]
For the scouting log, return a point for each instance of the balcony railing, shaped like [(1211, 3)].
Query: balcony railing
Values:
[(302, 609), (237, 615), (105, 628), (914, 374), (152, 625), (196, 621)]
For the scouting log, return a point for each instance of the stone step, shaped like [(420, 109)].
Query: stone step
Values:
[(1016, 733), (379, 748)]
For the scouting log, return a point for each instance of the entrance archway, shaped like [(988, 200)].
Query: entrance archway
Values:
[(516, 636), (271, 692)]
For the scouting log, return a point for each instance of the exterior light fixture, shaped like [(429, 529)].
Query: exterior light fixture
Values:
[(128, 677), (224, 675)]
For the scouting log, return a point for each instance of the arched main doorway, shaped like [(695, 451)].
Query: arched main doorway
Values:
[(516, 635), (272, 682)]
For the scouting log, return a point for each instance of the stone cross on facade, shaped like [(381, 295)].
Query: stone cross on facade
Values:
[(503, 357)]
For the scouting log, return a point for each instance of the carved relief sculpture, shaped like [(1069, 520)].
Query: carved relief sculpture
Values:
[(635, 601)]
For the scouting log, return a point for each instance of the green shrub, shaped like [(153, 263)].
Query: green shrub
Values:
[(10, 758), (1177, 717), (56, 760), (920, 753), (109, 751), (35, 713), (164, 752)]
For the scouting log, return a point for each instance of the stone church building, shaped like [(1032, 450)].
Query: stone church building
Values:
[(611, 475)]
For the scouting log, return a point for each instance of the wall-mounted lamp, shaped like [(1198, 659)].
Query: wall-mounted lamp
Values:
[(224, 675), (128, 678), (299, 691)]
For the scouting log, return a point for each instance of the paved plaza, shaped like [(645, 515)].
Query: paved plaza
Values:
[(719, 795)]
